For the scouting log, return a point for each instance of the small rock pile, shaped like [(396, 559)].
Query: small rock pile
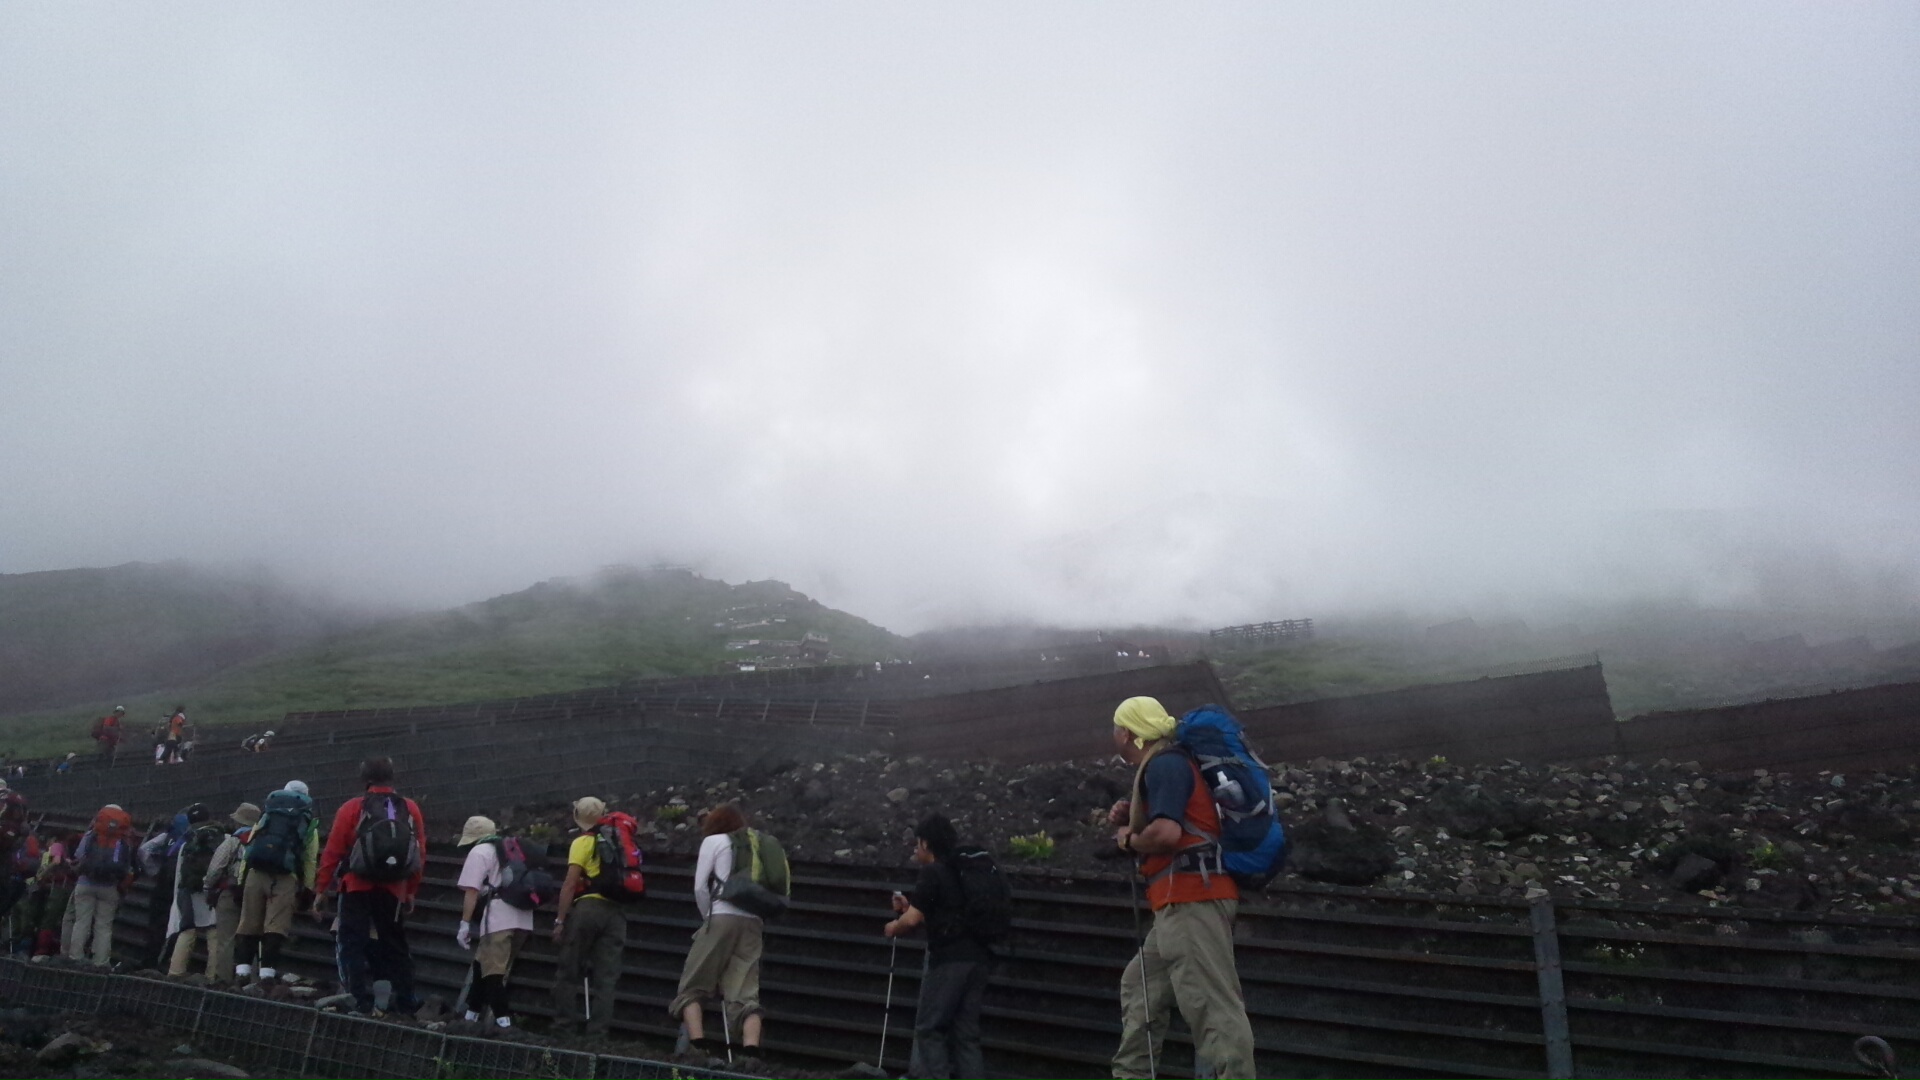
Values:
[(1605, 829)]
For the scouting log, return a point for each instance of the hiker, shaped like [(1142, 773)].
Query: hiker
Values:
[(966, 906), (107, 732), (376, 854), (16, 837), (191, 911), (496, 916), (725, 956), (1187, 957), (23, 871), (53, 885), (590, 927), (176, 735), (256, 744), (104, 864), (155, 859), (225, 875), (279, 862), (65, 764)]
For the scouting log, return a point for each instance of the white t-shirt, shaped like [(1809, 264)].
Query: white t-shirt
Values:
[(716, 863), (482, 872)]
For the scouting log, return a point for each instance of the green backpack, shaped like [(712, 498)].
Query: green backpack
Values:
[(761, 881)]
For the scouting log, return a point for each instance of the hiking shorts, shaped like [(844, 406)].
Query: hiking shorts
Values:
[(495, 952), (266, 907)]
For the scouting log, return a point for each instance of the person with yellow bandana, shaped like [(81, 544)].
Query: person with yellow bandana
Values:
[(1187, 957)]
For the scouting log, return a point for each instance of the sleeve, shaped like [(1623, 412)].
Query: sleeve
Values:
[(703, 873), (339, 839), (474, 872), (419, 835), (223, 857), (926, 891), (1169, 786)]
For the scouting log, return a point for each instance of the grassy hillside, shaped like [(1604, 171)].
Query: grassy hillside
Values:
[(73, 635), (553, 637)]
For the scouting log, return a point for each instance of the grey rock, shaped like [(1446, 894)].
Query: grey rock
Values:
[(63, 1049), (897, 796)]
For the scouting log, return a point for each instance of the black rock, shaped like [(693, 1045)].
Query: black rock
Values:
[(813, 795), (1695, 872), (1360, 855)]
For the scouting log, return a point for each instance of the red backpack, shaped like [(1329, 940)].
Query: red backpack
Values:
[(614, 842)]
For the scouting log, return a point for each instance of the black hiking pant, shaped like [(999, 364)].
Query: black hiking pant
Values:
[(365, 959), (946, 1025)]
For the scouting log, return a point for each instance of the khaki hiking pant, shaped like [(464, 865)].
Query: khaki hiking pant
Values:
[(93, 908), (1188, 958), (724, 960)]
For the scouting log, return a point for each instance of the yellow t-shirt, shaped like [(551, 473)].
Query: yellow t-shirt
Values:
[(585, 854)]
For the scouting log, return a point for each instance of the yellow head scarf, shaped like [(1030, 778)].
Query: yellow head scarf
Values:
[(1145, 718)]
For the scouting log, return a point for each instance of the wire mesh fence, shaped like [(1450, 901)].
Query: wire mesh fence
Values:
[(296, 1040), (492, 1058), (263, 1032)]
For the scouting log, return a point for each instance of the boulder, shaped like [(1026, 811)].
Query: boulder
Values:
[(193, 1068), (1695, 872)]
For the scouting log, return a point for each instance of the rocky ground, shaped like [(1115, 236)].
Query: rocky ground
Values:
[(1661, 832), (39, 1043)]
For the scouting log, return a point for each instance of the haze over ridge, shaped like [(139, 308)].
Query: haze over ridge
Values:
[(1191, 317)]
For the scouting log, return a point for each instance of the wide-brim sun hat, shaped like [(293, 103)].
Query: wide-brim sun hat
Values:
[(588, 811), (476, 829), (246, 814)]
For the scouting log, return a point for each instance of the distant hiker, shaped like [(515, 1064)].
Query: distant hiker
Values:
[(502, 890), (591, 926), (176, 736), (1187, 958), (53, 886), (377, 854), (104, 864), (258, 743), (966, 907), (159, 734), (280, 861), (192, 909), (19, 850), (741, 879), (225, 875), (65, 764), (107, 732)]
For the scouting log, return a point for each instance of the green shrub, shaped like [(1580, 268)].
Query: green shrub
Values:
[(1038, 846)]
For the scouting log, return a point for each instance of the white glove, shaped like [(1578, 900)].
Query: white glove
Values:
[(465, 935)]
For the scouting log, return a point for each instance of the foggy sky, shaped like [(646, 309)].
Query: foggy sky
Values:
[(1073, 311)]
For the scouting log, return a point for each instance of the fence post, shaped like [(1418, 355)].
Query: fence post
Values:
[(1553, 991)]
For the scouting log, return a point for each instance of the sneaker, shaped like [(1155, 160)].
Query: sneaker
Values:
[(472, 1017), (503, 1022), (243, 972), (267, 974)]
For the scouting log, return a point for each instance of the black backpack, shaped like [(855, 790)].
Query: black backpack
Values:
[(521, 886), (385, 847), (196, 855), (986, 900)]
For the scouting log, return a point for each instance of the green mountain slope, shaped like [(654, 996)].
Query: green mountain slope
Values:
[(553, 637), (74, 635)]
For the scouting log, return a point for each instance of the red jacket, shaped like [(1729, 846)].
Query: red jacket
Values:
[(346, 827)]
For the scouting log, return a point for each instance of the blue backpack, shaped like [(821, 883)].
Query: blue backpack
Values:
[(1253, 845)]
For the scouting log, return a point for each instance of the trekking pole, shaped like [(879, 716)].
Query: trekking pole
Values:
[(726, 1032), (887, 1017), (586, 989), (1146, 1004)]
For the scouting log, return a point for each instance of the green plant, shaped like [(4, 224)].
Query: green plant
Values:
[(1037, 847), (541, 832), (1767, 857), (670, 812)]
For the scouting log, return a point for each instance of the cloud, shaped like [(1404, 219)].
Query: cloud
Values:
[(1190, 316)]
